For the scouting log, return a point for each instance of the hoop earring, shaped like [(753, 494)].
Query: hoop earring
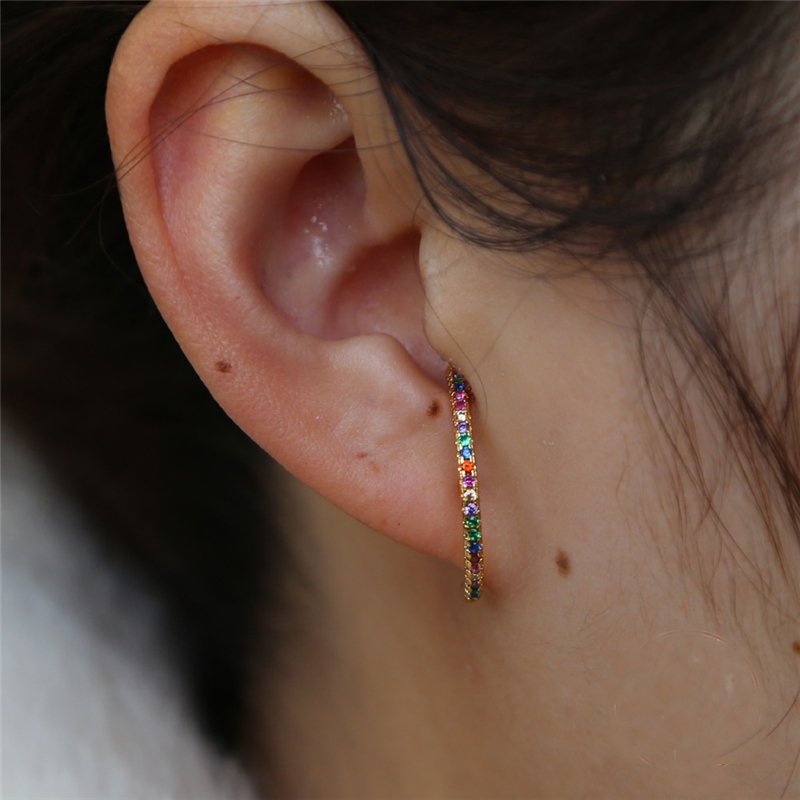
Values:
[(461, 398)]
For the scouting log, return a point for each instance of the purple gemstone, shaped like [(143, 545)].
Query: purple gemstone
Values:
[(469, 481), (463, 427), (470, 509), (476, 568)]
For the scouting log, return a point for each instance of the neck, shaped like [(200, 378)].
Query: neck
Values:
[(395, 687)]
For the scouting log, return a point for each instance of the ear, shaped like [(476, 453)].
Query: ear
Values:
[(272, 214)]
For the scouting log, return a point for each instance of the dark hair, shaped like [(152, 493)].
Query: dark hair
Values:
[(93, 378), (604, 128), (642, 131)]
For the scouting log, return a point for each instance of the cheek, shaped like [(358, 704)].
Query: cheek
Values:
[(685, 704)]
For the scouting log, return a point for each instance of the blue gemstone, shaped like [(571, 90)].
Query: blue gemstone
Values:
[(466, 452), (471, 509), (475, 547)]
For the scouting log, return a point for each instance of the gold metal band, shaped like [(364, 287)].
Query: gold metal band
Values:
[(461, 399)]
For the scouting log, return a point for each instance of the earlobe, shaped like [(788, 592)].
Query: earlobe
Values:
[(284, 256)]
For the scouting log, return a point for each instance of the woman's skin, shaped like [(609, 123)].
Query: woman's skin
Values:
[(628, 643)]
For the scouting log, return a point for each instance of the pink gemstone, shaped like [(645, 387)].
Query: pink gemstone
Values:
[(461, 395), (461, 405), (476, 568)]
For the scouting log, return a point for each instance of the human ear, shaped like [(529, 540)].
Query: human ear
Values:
[(274, 221)]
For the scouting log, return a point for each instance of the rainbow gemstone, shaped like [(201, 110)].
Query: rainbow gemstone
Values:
[(460, 399)]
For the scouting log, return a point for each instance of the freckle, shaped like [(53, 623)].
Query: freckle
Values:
[(796, 647), (362, 454), (223, 366), (433, 408), (562, 562)]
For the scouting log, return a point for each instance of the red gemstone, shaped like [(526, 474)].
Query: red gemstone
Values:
[(468, 466)]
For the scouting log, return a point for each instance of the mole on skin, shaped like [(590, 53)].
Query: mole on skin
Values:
[(562, 562), (796, 647), (222, 366), (433, 409)]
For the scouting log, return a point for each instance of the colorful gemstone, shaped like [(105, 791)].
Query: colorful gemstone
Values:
[(460, 397)]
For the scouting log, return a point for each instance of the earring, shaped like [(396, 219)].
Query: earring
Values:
[(461, 398)]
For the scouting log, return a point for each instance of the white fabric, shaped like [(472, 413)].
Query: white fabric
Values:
[(90, 708)]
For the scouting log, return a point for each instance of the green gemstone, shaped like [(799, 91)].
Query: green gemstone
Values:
[(473, 522), (475, 536), (465, 440)]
